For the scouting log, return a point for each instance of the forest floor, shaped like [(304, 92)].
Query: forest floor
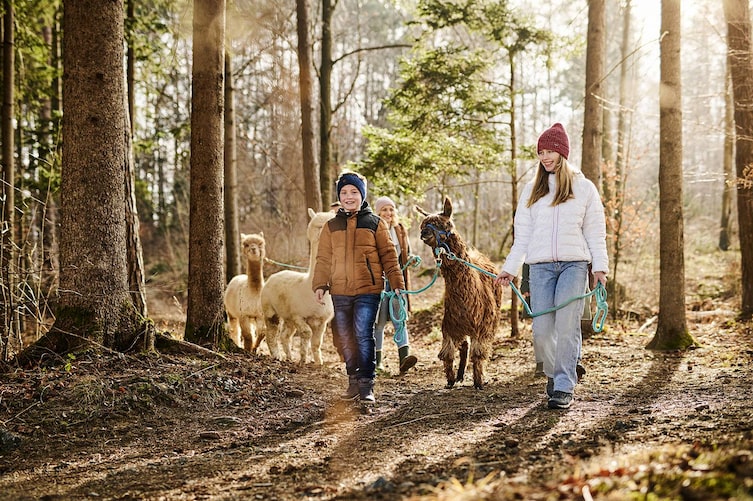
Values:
[(644, 424)]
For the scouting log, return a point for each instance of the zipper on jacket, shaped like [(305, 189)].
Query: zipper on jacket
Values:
[(371, 272), (555, 221)]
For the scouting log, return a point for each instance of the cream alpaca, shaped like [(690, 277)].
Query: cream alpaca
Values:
[(290, 306)]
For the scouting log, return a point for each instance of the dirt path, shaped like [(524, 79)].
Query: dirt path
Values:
[(252, 428)]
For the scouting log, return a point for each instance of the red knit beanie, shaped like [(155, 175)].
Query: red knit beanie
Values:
[(555, 139)]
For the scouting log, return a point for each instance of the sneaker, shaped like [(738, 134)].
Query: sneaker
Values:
[(549, 387), (560, 400)]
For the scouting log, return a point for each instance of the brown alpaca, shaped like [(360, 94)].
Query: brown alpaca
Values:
[(243, 295), (471, 300)]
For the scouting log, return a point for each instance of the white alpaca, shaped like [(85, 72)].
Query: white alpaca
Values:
[(243, 295), (290, 306)]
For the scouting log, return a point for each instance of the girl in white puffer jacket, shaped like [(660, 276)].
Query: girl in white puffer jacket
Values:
[(559, 230)]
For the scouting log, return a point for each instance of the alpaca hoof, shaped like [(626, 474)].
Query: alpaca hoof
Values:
[(478, 386), (450, 384)]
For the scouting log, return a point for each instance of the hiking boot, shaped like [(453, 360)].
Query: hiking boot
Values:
[(352, 391), (539, 371), (407, 362), (560, 400), (366, 390), (549, 387)]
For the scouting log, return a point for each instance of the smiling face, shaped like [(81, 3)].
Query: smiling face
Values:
[(549, 159), (350, 198), (388, 214)]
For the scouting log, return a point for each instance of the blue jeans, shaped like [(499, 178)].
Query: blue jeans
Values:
[(353, 331), (556, 335), (401, 333)]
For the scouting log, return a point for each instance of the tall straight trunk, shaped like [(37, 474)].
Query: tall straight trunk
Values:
[(232, 230), (592, 118), (135, 253), (672, 331), (206, 279), (325, 105), (623, 156), (310, 175), (7, 203), (514, 304), (737, 14), (725, 224)]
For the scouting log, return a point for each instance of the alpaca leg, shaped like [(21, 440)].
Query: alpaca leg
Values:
[(304, 335), (247, 334), (286, 337), (274, 325), (479, 355), (463, 360), (261, 332), (447, 356), (233, 329), (317, 336)]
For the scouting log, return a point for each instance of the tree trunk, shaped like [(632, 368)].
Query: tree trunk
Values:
[(95, 304), (622, 160), (7, 187), (310, 175), (514, 301), (592, 118), (737, 14), (672, 331), (230, 161), (135, 252), (206, 279), (135, 256), (325, 105), (725, 225)]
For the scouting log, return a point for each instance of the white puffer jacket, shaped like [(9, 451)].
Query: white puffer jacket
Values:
[(571, 231)]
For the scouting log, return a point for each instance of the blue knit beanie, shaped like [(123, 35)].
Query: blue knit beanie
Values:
[(353, 178)]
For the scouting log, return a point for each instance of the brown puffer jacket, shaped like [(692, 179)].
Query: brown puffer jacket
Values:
[(354, 251)]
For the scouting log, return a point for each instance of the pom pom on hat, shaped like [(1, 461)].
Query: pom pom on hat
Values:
[(555, 139), (383, 202), (354, 179)]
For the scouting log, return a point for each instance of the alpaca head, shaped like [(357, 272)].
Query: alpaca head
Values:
[(318, 220), (437, 229), (252, 246)]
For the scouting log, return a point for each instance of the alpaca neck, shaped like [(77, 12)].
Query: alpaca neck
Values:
[(255, 275), (452, 268), (312, 258)]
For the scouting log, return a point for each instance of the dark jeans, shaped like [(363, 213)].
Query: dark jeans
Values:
[(353, 332)]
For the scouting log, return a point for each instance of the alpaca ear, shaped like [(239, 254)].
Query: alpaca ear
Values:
[(311, 213), (261, 234), (447, 207), (243, 235), (420, 210)]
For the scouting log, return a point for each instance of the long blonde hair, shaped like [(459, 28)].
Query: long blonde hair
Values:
[(564, 176)]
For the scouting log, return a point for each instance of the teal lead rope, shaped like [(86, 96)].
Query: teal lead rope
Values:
[(599, 292)]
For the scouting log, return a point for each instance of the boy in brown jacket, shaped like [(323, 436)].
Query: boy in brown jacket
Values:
[(355, 252)]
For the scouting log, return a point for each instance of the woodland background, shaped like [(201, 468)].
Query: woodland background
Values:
[(140, 138), (428, 99)]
